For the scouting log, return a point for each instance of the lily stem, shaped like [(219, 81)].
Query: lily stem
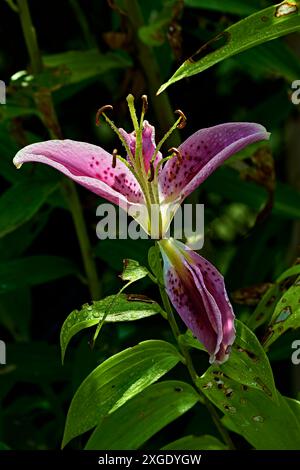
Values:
[(44, 103), (147, 59), (193, 374)]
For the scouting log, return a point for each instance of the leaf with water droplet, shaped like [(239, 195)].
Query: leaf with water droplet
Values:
[(133, 271), (122, 308)]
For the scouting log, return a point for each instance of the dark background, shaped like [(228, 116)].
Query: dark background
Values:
[(250, 241)]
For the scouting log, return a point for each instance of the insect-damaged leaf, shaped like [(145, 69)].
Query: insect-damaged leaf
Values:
[(247, 364), (263, 26), (286, 314), (265, 423)]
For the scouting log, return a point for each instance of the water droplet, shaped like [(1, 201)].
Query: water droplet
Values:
[(258, 419)]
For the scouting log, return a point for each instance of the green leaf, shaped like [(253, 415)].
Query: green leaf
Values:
[(155, 33), (226, 182), (190, 341), (122, 309), (115, 381), (247, 364), (263, 26), (140, 418), (83, 65), (20, 202), (273, 58), (155, 263), (235, 7), (4, 446), (286, 315), (265, 308), (196, 443), (265, 423), (34, 270), (133, 271)]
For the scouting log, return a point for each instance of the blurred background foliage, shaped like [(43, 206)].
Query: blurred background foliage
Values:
[(95, 53)]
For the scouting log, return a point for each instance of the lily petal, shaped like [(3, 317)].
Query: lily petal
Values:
[(202, 153), (149, 145), (197, 291), (88, 165)]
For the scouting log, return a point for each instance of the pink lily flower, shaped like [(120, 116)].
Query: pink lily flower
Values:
[(197, 292), (144, 178)]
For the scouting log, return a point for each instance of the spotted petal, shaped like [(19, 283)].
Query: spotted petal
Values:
[(202, 153), (197, 291), (88, 165)]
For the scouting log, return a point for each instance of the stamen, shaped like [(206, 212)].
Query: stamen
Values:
[(182, 123), (145, 104), (176, 152), (144, 110), (114, 160), (151, 176), (101, 111)]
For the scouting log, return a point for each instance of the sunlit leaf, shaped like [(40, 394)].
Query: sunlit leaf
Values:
[(115, 381), (262, 26), (133, 271), (140, 418), (121, 308), (286, 314), (265, 423), (196, 443)]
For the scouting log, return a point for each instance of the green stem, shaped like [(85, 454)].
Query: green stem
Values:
[(82, 21), (147, 59), (30, 37), (193, 374), (71, 195), (44, 103)]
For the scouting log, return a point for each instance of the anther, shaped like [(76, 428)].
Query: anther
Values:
[(182, 123), (101, 111), (114, 159), (145, 104), (151, 176), (177, 152)]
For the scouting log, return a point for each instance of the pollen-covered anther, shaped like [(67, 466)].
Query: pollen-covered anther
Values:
[(114, 159), (145, 104), (106, 107), (151, 172), (177, 153), (182, 123)]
